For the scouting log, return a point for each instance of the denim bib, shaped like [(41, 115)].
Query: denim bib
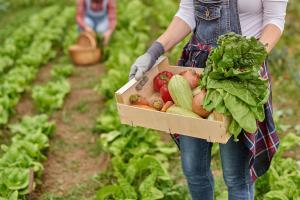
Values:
[(99, 14), (215, 18)]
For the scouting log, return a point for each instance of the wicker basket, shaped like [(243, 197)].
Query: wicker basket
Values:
[(84, 55), (87, 39)]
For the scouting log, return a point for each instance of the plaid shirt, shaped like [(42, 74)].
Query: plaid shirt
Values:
[(262, 144)]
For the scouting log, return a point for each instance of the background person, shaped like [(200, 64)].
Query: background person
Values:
[(98, 16)]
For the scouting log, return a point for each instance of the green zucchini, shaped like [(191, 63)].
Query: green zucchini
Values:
[(181, 92), (181, 111)]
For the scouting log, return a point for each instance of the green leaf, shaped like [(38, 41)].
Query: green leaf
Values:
[(147, 189), (15, 178), (235, 88), (128, 190), (14, 196), (234, 128), (275, 195), (240, 113), (213, 99), (258, 112), (109, 191)]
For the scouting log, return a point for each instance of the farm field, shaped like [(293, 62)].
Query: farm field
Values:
[(60, 135)]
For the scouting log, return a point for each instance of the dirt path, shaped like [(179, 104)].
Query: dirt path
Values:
[(73, 156)]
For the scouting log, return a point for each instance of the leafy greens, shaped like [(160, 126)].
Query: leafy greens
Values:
[(233, 82)]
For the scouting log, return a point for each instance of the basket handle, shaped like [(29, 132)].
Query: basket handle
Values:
[(91, 38)]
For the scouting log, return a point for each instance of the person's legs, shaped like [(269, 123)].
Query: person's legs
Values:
[(235, 164), (102, 25), (195, 160), (90, 22)]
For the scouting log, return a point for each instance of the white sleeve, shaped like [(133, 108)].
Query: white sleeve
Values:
[(186, 13), (274, 12)]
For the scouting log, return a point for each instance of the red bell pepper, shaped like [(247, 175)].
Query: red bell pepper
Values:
[(161, 79), (164, 93)]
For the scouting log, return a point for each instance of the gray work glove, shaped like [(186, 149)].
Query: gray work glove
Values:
[(146, 61)]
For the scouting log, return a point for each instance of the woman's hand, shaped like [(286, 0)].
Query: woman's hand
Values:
[(176, 32), (88, 29), (141, 65), (106, 37), (146, 61)]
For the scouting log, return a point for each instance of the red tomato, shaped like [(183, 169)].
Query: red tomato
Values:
[(161, 79), (164, 93)]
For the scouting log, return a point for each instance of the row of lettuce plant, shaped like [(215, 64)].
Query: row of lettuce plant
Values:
[(27, 62), (20, 39), (16, 4), (49, 97), (8, 26), (140, 160), (21, 160)]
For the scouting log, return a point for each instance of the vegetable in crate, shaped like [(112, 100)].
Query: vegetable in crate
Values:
[(157, 103), (137, 99), (164, 93), (181, 92), (182, 111), (234, 87), (161, 79), (192, 77), (197, 106), (144, 107), (167, 105)]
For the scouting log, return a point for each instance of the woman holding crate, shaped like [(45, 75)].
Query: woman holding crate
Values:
[(250, 157), (98, 16)]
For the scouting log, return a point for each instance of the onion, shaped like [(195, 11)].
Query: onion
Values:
[(192, 77), (197, 106)]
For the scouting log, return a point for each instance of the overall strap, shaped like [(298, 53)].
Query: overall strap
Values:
[(234, 16), (215, 18)]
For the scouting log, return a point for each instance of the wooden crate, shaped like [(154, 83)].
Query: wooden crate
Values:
[(212, 131)]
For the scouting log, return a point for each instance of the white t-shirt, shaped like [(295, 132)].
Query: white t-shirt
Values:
[(254, 15)]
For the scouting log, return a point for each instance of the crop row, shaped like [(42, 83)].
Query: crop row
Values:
[(22, 159), (13, 4), (21, 163), (19, 41), (29, 55)]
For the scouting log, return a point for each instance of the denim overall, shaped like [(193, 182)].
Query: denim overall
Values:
[(97, 20), (242, 161)]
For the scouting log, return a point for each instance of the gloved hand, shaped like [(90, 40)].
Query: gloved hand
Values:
[(146, 61)]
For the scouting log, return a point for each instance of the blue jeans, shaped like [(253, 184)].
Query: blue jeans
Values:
[(98, 25), (196, 158)]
